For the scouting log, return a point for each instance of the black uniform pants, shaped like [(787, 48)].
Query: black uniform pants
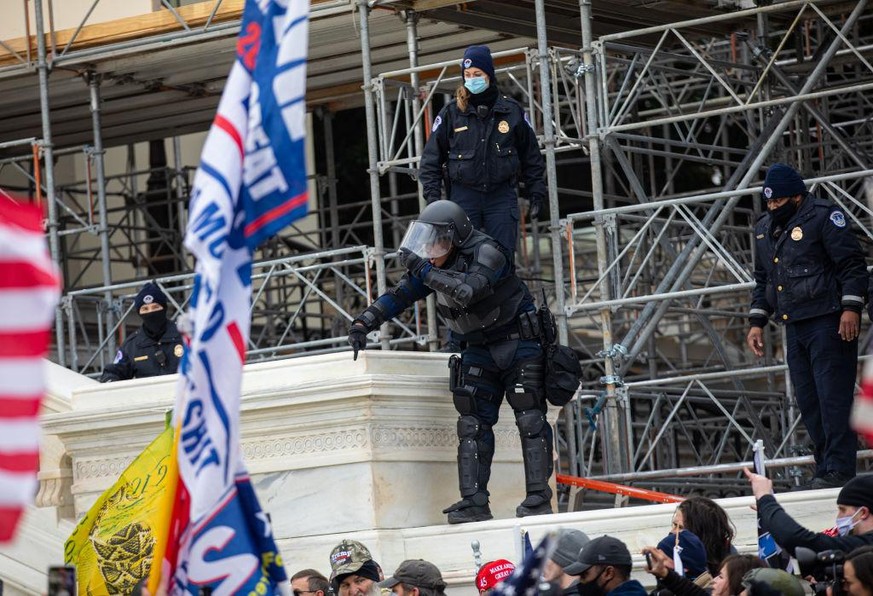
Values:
[(823, 370)]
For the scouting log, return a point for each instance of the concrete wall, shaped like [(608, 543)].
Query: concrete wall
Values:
[(337, 448)]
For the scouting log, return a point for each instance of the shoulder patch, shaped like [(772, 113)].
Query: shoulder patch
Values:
[(527, 119), (436, 123), (118, 357), (838, 219)]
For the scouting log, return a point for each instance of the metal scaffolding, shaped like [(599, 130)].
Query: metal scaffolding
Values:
[(655, 134)]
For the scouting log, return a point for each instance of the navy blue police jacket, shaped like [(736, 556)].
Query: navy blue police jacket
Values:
[(139, 356), (814, 267), (482, 153)]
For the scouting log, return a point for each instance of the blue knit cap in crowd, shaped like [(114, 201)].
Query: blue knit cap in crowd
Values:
[(783, 181), (693, 553), (479, 57), (150, 292)]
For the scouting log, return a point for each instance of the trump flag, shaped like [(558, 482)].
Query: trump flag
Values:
[(251, 182)]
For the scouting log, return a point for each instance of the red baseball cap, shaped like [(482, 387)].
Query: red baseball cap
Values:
[(493, 573)]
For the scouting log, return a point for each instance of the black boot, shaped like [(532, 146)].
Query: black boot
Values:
[(469, 509), (536, 504)]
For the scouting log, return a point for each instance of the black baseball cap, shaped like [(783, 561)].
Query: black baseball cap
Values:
[(605, 550)]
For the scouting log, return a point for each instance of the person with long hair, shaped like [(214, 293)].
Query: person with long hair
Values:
[(858, 572), (729, 580), (708, 521), (481, 145)]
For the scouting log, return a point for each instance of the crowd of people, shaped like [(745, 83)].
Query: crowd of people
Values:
[(697, 557)]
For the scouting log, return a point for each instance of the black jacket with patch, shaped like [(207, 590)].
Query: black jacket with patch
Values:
[(482, 153), (141, 356), (814, 267)]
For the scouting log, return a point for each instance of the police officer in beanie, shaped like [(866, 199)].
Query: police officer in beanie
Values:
[(492, 314), (811, 276), (485, 141), (152, 350)]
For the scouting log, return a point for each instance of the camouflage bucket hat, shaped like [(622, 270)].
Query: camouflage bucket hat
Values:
[(347, 557)]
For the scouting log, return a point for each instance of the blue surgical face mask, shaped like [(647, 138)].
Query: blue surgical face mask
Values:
[(476, 85), (844, 525)]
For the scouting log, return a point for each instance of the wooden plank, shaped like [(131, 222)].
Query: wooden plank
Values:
[(129, 28)]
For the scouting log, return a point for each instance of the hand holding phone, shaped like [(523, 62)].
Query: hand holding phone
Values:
[(61, 580)]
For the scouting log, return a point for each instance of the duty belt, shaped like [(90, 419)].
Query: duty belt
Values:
[(526, 326)]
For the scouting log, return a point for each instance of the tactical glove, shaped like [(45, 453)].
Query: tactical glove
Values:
[(413, 263), (536, 205), (357, 338)]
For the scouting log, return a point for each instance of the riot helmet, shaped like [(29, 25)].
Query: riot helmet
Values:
[(440, 225)]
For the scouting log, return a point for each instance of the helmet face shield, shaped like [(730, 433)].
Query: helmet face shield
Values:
[(427, 240)]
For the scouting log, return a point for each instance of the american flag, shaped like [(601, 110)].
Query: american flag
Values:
[(29, 288), (525, 580)]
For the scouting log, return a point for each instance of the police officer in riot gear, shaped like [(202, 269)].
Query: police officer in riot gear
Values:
[(152, 350), (492, 314), (486, 144), (810, 275)]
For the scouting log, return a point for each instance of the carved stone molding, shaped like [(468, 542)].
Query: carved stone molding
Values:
[(342, 439), (54, 488), (91, 468), (376, 436)]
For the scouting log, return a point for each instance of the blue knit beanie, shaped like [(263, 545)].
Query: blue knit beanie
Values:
[(782, 181), (479, 57), (150, 292), (693, 553)]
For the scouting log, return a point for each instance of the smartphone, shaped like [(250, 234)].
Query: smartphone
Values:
[(649, 560), (62, 580)]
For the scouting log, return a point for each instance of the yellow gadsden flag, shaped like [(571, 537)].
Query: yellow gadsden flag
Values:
[(111, 546)]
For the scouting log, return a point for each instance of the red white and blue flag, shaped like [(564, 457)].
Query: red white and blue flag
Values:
[(29, 289), (250, 184), (862, 411), (527, 577)]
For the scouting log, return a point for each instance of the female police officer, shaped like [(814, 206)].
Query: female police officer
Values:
[(491, 311), (484, 139)]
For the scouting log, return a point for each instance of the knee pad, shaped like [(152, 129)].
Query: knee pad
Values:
[(527, 392), (531, 423), (468, 427)]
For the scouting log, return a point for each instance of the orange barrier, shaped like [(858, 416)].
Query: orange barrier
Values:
[(618, 489)]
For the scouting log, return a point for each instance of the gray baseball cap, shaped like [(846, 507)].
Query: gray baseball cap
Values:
[(418, 573), (570, 542)]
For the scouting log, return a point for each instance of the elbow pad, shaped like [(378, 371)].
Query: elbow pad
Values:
[(444, 282)]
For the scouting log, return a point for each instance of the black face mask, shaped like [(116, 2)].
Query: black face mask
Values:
[(154, 323), (782, 214), (592, 588)]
